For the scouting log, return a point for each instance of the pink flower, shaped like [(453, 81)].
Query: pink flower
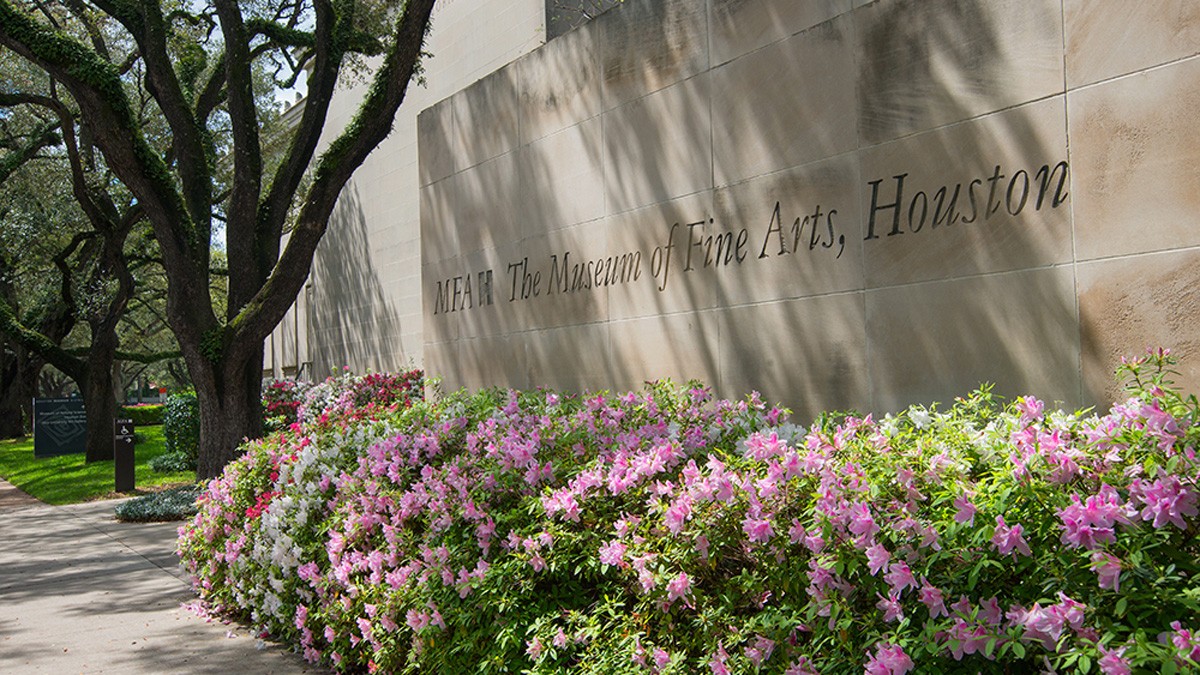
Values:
[(965, 640), (1108, 569), (416, 620), (819, 576), (890, 606), (717, 663), (990, 612), (899, 577), (1030, 409), (861, 521), (677, 514), (1089, 524), (802, 666), (639, 653), (646, 579), (661, 658), (1113, 662), (1183, 640), (613, 553), (966, 510), (1008, 538), (1166, 500), (678, 587), (814, 542), (534, 648), (932, 597), (796, 532), (758, 529), (309, 572), (560, 639), (1047, 624), (889, 659), (877, 558), (301, 616), (760, 651)]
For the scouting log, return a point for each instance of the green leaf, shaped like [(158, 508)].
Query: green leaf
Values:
[(1169, 668), (990, 647), (1122, 605), (1018, 649), (1085, 663)]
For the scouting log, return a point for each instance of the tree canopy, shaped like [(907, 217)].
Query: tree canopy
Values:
[(203, 67)]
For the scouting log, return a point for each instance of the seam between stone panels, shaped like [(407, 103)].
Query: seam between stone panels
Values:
[(1079, 381), (967, 120), (1139, 71), (1139, 254), (972, 276), (852, 20)]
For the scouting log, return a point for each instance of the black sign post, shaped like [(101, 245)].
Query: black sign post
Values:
[(123, 455), (59, 426)]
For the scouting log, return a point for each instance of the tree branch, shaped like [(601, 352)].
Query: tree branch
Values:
[(12, 161), (39, 344), (247, 158), (370, 126), (98, 90), (273, 211)]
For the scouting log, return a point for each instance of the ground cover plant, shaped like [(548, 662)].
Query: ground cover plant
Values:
[(669, 532), (69, 480), (175, 503)]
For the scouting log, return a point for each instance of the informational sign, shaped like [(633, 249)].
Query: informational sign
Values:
[(123, 442), (59, 426)]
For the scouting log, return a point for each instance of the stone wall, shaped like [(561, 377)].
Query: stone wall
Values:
[(362, 307), (837, 203)]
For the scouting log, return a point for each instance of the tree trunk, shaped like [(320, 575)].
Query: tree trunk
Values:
[(99, 403), (230, 397), (18, 383)]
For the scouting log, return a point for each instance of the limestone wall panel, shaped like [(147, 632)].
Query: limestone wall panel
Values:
[(787, 104), (1017, 330), (927, 63), (987, 195), (741, 26), (1110, 38), (1134, 152)]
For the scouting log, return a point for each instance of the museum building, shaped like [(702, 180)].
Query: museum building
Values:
[(840, 204)]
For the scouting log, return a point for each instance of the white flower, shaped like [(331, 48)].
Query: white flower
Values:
[(920, 417)]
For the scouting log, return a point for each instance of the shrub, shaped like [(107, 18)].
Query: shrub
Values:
[(281, 402), (144, 414), (181, 425), (171, 462), (177, 503), (669, 532), (353, 396)]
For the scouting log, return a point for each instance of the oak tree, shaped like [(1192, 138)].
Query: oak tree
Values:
[(199, 62)]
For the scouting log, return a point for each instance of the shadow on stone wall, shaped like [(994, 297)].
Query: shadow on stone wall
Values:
[(997, 304), (352, 321)]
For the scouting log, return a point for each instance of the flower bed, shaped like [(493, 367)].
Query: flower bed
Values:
[(669, 532)]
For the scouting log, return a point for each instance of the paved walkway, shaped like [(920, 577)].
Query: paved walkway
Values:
[(83, 593)]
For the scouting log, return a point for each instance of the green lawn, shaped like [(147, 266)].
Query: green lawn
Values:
[(68, 480)]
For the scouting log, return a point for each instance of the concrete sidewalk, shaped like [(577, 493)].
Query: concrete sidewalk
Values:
[(83, 593)]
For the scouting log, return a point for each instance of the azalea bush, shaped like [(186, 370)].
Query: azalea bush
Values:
[(281, 401), (670, 532), (345, 395)]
